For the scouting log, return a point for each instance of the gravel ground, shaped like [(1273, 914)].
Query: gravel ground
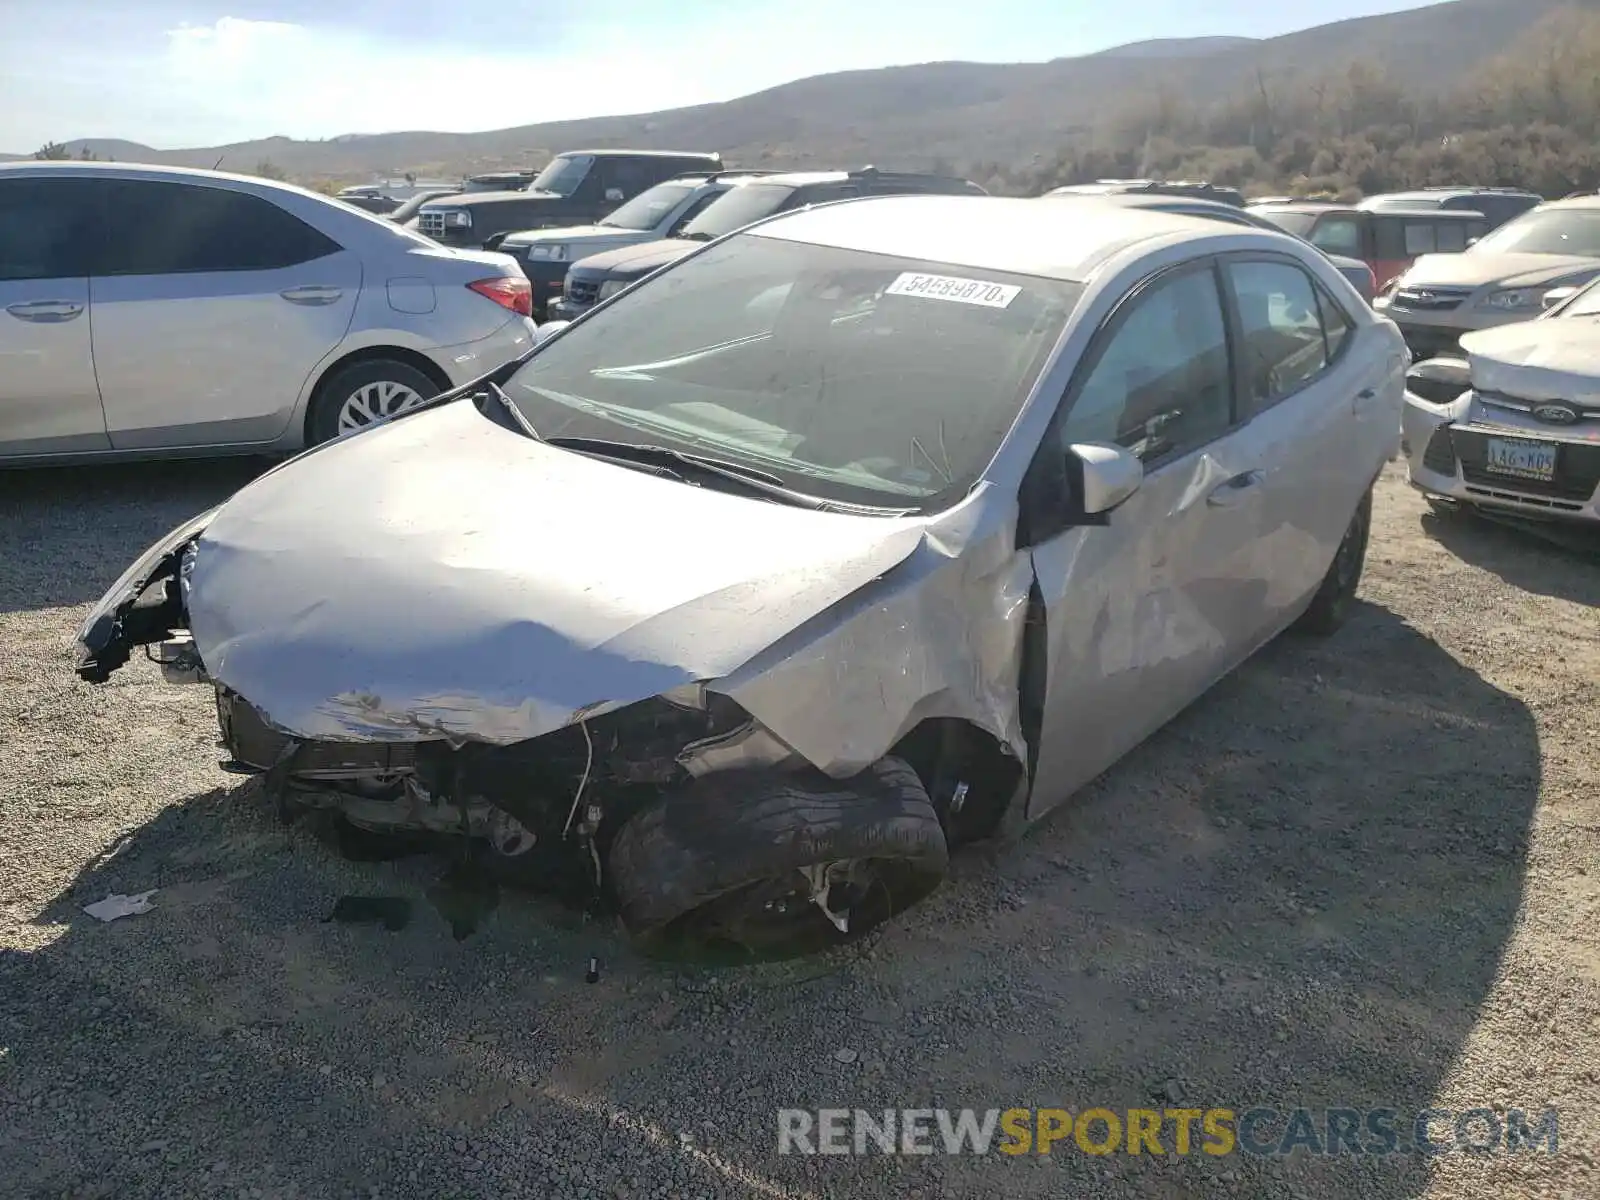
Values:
[(1361, 873)]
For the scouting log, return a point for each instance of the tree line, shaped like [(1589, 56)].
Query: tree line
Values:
[(1529, 118)]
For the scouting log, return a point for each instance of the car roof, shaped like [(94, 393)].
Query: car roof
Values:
[(1160, 201), (708, 155), (1421, 195), (1574, 202), (1433, 214), (153, 172), (1023, 237)]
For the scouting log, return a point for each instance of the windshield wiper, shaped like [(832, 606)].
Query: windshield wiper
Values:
[(696, 237), (514, 414), (683, 463)]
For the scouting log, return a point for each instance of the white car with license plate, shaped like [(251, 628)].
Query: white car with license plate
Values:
[(151, 312), (1513, 426)]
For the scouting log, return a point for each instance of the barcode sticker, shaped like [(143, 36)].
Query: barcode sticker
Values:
[(949, 287)]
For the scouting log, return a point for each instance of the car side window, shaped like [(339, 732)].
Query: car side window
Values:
[(1389, 242), (1336, 323), (1338, 235), (631, 176), (1162, 381), (179, 228), (47, 227), (1282, 347), (1450, 237), (698, 206), (822, 193), (1420, 238)]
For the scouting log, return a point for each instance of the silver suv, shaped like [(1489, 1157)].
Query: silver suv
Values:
[(154, 311), (1500, 279)]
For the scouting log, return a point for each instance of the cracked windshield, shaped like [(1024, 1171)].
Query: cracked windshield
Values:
[(829, 601)]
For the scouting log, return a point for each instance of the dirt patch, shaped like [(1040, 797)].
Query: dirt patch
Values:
[(1361, 874)]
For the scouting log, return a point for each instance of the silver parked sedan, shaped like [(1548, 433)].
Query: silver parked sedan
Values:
[(869, 530), (153, 312)]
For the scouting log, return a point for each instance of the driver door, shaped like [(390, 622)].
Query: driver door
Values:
[(1145, 612)]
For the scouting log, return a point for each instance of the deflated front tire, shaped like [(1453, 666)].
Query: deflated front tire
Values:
[(764, 864)]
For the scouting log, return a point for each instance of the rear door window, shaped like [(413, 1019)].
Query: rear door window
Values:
[(1389, 239), (47, 228), (179, 228), (1420, 238), (1451, 237)]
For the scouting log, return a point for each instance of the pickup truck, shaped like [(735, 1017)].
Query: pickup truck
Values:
[(576, 188)]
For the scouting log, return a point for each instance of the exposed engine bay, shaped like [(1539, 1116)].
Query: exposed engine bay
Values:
[(572, 783)]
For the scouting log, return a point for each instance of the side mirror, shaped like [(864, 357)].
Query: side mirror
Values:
[(1109, 474), (548, 330), (613, 195), (1557, 296)]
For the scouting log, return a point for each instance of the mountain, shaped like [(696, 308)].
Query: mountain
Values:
[(1175, 47), (911, 116)]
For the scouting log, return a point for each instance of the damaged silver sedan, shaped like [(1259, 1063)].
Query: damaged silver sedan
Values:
[(870, 530)]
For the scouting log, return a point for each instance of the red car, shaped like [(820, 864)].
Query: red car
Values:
[(1388, 241)]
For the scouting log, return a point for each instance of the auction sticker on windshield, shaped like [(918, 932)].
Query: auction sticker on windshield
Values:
[(949, 287)]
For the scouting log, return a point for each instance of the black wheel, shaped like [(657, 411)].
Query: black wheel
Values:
[(758, 865), (1330, 607), (366, 393)]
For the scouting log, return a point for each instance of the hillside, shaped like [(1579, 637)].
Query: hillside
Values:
[(1175, 47), (951, 112)]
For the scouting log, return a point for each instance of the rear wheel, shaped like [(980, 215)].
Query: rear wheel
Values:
[(367, 393), (743, 866), (1330, 607)]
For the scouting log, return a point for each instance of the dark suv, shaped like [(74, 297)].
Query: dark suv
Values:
[(577, 188), (1498, 205), (1154, 187), (601, 276)]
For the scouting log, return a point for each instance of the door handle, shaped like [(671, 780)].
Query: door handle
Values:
[(1367, 394), (1231, 491), (312, 294), (45, 312)]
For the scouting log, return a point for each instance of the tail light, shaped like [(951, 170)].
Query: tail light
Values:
[(508, 291)]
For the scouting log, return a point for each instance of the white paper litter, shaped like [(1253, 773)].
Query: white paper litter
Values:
[(116, 905)]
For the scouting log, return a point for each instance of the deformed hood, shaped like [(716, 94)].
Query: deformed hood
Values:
[(443, 576), (1473, 269), (1553, 359)]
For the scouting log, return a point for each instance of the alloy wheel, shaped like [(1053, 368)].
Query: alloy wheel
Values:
[(373, 403)]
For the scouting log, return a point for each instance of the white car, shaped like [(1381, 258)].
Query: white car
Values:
[(902, 518), (154, 312), (1513, 426)]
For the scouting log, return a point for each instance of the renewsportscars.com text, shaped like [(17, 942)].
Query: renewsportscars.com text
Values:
[(1175, 1131)]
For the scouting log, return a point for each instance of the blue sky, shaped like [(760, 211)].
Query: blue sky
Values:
[(174, 73)]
